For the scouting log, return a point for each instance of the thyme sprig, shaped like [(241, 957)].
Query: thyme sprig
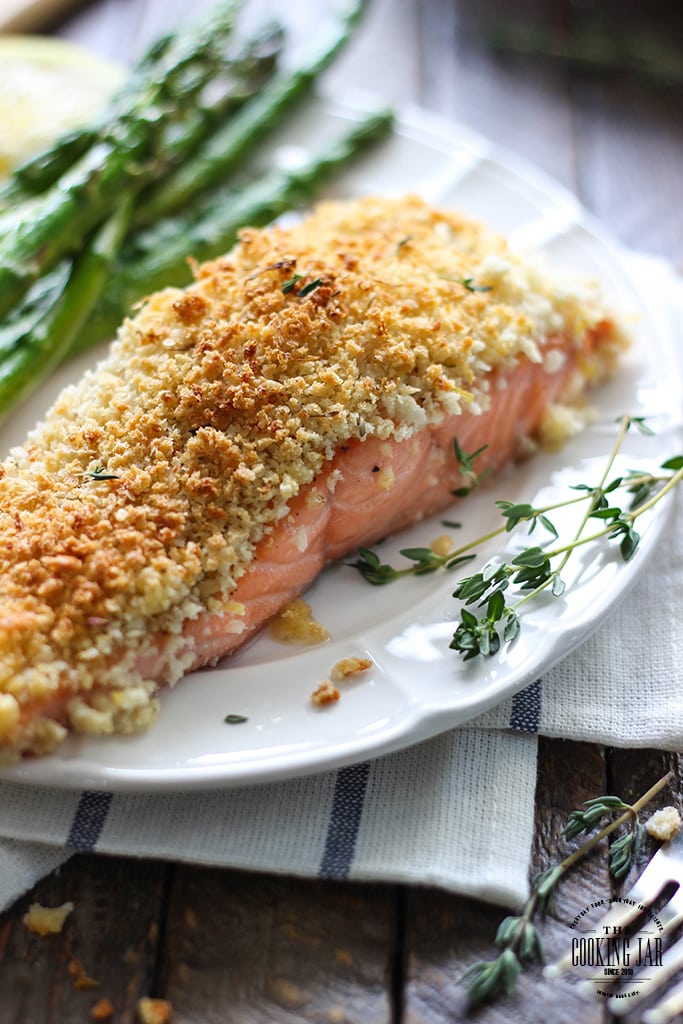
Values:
[(623, 850), (424, 561), (471, 478), (518, 938), (539, 567)]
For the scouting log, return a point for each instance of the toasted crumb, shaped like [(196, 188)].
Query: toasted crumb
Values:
[(286, 992), (102, 1010), (154, 1011), (326, 693), (9, 714), (295, 624), (349, 667), (81, 977), (560, 423), (664, 824), (46, 920)]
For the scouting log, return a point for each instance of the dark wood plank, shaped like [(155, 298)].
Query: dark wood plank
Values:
[(249, 949), (444, 935), (112, 933), (630, 774)]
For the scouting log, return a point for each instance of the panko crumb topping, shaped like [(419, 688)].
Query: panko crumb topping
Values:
[(141, 497)]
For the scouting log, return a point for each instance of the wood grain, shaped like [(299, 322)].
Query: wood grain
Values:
[(112, 935), (444, 935), (228, 946), (249, 949)]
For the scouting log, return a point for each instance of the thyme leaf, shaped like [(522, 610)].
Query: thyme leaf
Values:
[(290, 286), (100, 473), (468, 282), (467, 471), (424, 561), (310, 287)]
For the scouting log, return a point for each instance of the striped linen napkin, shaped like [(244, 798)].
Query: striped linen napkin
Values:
[(456, 811)]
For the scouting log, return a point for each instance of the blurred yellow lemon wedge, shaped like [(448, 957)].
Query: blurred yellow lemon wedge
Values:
[(47, 86)]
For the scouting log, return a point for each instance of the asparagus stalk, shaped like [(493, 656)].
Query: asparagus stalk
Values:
[(243, 77), (226, 148), (129, 154), (158, 257), (38, 351), (41, 171), (239, 76), (36, 304)]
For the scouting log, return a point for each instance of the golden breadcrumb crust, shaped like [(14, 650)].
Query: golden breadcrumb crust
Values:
[(138, 502)]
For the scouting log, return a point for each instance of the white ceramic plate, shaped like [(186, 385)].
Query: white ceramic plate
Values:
[(417, 686)]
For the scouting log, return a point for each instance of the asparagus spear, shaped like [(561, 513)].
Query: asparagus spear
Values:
[(158, 257), (43, 230), (43, 346), (226, 147), (239, 76)]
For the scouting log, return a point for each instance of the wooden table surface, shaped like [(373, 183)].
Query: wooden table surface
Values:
[(229, 946)]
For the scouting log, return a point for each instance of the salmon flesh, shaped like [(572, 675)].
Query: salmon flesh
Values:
[(301, 397)]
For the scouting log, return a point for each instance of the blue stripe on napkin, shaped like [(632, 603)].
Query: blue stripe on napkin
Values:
[(342, 831), (88, 820), (526, 708)]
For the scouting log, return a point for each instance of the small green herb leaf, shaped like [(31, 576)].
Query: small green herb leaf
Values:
[(100, 473), (310, 287), (291, 284), (641, 426), (468, 282)]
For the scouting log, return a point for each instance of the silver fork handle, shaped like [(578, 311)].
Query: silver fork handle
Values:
[(667, 1009), (632, 996)]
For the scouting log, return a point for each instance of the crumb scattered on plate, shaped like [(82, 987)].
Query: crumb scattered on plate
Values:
[(349, 667), (326, 693)]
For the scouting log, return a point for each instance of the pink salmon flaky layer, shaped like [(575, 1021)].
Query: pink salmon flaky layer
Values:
[(299, 398)]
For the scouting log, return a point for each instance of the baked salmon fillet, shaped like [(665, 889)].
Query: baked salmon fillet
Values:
[(299, 398)]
